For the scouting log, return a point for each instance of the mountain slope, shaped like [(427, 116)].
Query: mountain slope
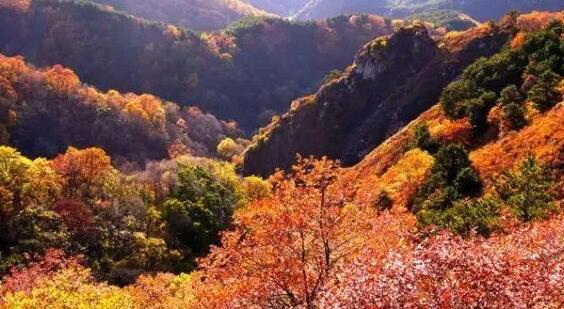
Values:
[(480, 9), (282, 8), (43, 112), (194, 14), (391, 82), (246, 73)]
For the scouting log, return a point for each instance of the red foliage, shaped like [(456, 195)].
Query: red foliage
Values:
[(23, 279), (76, 215), (520, 270)]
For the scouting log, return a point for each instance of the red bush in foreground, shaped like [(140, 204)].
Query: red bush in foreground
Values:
[(24, 279), (522, 270)]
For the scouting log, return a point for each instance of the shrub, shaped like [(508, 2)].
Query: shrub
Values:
[(332, 75), (543, 93), (464, 216), (423, 139), (454, 94), (383, 202), (528, 191), (514, 116), (228, 148), (256, 188), (510, 94)]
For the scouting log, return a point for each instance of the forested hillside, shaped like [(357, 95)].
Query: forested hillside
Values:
[(429, 173), (247, 73), (474, 183), (392, 80), (43, 112), (480, 9), (282, 8), (198, 15), (449, 19)]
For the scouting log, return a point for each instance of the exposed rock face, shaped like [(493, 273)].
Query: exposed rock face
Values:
[(391, 82)]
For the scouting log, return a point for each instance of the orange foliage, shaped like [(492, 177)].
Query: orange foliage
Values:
[(145, 123), (457, 41), (286, 246), (62, 79), (458, 131), (544, 139), (536, 20), (369, 175), (148, 108), (19, 5), (221, 43), (12, 67), (178, 149), (82, 169), (519, 40)]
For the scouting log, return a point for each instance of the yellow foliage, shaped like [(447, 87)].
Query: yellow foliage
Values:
[(147, 108), (163, 291), (228, 148), (256, 188), (70, 288), (403, 179), (24, 182)]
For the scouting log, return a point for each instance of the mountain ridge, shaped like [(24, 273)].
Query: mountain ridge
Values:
[(349, 139)]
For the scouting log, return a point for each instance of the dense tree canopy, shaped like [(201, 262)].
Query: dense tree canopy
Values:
[(256, 66)]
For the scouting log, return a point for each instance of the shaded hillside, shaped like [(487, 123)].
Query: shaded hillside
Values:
[(43, 112), (279, 7), (247, 73), (194, 14), (390, 83), (449, 19), (480, 9)]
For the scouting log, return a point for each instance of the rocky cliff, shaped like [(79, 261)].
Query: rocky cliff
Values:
[(392, 80)]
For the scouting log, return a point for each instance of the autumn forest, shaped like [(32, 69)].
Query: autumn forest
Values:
[(281, 154)]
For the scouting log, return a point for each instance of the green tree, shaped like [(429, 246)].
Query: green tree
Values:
[(514, 115), (453, 168), (477, 110), (528, 191), (510, 94), (543, 93), (198, 208), (423, 139), (455, 94), (452, 179), (35, 230)]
